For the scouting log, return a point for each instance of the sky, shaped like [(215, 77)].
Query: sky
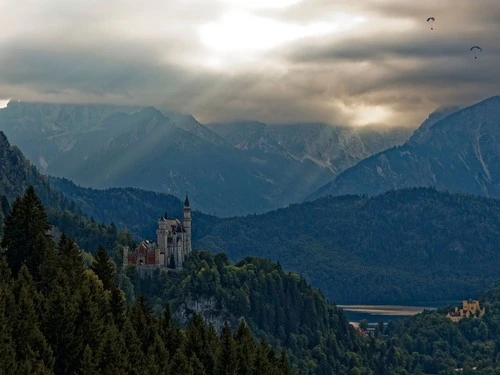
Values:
[(363, 62)]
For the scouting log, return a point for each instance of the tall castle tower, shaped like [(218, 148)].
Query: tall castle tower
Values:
[(187, 226)]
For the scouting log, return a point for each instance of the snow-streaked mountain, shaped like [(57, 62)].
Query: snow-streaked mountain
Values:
[(333, 147), (457, 151)]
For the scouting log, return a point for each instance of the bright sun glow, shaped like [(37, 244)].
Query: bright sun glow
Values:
[(3, 103), (261, 4), (366, 115), (239, 31)]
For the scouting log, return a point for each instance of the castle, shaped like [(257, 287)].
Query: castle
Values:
[(469, 308), (173, 244)]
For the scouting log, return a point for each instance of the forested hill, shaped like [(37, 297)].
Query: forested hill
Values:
[(408, 245), (134, 209), (57, 317), (438, 346), (279, 306), (17, 174)]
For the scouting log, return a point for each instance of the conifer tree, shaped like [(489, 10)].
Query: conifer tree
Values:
[(70, 261), (8, 363), (171, 335), (157, 357), (59, 326), (104, 268), (32, 349), (245, 349), (112, 354), (142, 320), (25, 234), (227, 361), (88, 366), (91, 312), (180, 364), (136, 358), (117, 306)]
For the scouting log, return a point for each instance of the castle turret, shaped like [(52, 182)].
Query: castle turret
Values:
[(187, 226)]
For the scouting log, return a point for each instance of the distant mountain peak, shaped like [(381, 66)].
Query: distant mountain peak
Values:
[(457, 151)]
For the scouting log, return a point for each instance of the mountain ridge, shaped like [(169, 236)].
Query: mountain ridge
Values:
[(459, 152)]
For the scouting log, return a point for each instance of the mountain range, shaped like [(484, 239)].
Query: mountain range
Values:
[(103, 146), (454, 150)]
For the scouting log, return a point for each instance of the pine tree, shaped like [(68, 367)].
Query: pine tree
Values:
[(245, 349), (117, 306), (171, 335), (32, 349), (104, 268), (8, 363), (227, 361), (157, 357), (88, 366), (136, 359), (70, 261), (180, 364), (25, 234), (112, 354), (283, 364), (142, 320), (59, 326), (91, 312)]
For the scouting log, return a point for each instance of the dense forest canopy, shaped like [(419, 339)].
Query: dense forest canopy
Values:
[(59, 317), (406, 245)]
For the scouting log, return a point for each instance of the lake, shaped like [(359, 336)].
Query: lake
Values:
[(385, 313)]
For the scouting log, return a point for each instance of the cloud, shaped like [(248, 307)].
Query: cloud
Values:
[(386, 67)]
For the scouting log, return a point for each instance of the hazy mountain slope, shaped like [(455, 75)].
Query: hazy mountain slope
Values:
[(460, 152), (334, 148), (409, 245), (161, 151), (156, 155), (45, 132)]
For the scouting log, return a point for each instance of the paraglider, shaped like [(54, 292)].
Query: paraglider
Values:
[(431, 19), (476, 50)]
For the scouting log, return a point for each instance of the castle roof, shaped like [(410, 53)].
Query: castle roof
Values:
[(186, 202)]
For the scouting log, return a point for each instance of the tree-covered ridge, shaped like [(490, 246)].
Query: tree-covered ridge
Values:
[(57, 317), (17, 174), (406, 245), (438, 346), (134, 209), (279, 306)]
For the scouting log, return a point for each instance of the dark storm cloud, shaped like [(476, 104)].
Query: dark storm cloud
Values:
[(125, 52)]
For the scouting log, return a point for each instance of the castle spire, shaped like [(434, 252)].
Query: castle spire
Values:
[(186, 201)]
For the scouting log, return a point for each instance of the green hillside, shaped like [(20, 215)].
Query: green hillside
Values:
[(401, 246)]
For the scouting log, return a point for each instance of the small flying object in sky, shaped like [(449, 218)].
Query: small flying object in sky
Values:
[(431, 20), (476, 50)]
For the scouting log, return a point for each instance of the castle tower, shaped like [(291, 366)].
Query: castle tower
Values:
[(187, 226), (162, 236)]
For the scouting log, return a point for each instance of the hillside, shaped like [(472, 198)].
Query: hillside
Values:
[(59, 317), (401, 246), (134, 209), (280, 307), (108, 146), (17, 174), (459, 152)]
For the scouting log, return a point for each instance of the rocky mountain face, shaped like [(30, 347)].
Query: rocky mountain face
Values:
[(457, 151), (331, 147)]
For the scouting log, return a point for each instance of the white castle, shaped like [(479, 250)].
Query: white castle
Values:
[(173, 244)]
